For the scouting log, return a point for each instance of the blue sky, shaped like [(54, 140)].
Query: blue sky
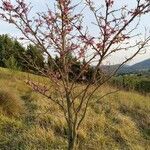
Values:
[(40, 5)]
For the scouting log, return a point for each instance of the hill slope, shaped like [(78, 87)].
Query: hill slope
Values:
[(144, 65), (119, 121)]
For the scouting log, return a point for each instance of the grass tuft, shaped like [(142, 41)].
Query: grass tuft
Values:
[(10, 103)]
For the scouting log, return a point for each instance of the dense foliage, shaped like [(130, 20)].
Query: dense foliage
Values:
[(30, 59), (137, 82), (13, 55)]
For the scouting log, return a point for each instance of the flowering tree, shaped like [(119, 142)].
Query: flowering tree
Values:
[(63, 31)]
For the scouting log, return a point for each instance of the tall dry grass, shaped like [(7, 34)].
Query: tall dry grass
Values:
[(10, 103), (119, 121)]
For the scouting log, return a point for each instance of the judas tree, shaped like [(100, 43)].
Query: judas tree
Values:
[(63, 32)]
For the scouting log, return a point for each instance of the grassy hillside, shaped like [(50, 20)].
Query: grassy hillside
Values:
[(120, 121)]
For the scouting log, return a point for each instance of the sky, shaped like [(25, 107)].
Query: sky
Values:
[(40, 5)]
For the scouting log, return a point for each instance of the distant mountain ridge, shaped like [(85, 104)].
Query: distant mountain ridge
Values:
[(136, 68), (143, 66)]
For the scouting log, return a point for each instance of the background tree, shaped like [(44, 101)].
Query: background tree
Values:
[(13, 53), (12, 64), (18, 53), (10, 51), (33, 57), (63, 30), (6, 49)]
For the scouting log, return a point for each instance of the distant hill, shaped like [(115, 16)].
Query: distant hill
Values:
[(143, 66)]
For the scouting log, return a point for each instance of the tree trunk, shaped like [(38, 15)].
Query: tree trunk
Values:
[(72, 139), (71, 126), (71, 143)]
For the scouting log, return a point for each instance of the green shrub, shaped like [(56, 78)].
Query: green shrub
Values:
[(132, 82)]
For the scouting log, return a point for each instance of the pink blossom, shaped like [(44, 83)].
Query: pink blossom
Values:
[(23, 5), (90, 41), (81, 53), (27, 30), (99, 45), (7, 6), (69, 29), (110, 2)]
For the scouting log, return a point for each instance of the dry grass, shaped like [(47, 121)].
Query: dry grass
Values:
[(120, 121), (10, 103)]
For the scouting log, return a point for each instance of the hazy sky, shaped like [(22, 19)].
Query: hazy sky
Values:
[(40, 5)]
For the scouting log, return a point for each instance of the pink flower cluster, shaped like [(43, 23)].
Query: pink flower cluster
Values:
[(7, 6), (110, 2), (27, 30)]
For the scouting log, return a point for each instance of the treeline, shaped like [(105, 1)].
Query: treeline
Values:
[(13, 55), (31, 59), (133, 82)]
